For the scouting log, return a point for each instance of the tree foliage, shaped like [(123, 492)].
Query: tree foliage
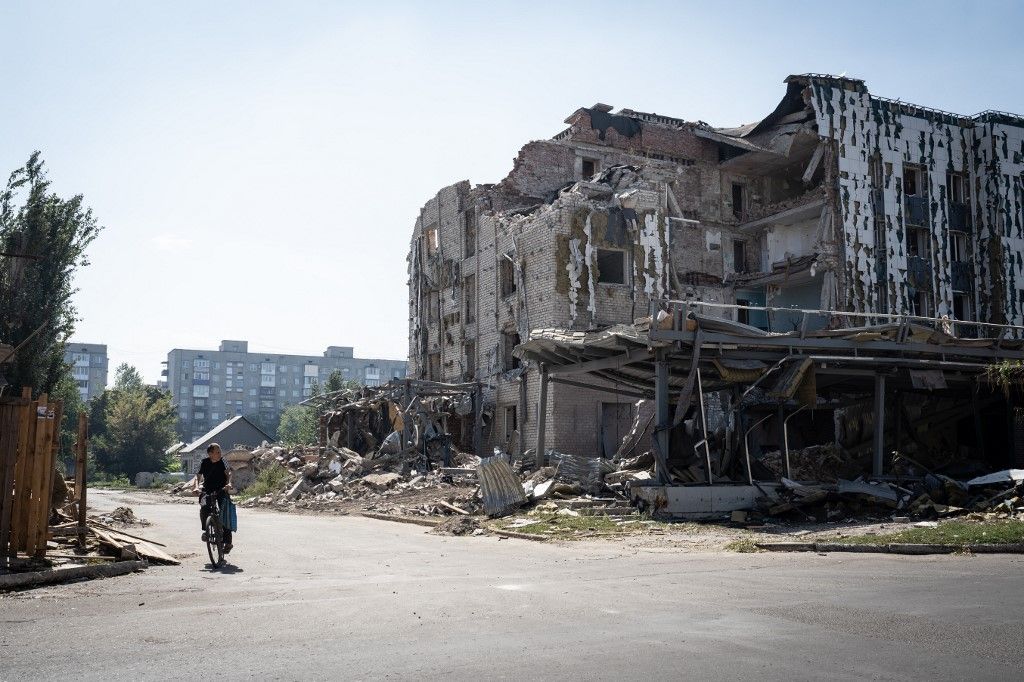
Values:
[(297, 426), (127, 378), (66, 390), (35, 293), (132, 427)]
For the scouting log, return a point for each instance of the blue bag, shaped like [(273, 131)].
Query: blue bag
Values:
[(228, 515)]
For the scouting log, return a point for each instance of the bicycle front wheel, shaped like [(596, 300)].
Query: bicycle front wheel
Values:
[(214, 542)]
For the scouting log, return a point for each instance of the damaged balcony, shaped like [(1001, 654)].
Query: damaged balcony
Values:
[(800, 209)]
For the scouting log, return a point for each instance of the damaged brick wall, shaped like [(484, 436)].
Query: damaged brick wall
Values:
[(586, 230)]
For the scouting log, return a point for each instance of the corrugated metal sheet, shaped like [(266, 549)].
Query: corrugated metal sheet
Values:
[(589, 472), (501, 490)]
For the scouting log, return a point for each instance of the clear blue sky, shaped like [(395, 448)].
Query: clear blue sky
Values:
[(259, 165)]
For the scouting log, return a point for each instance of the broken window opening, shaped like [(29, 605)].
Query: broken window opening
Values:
[(959, 199), (469, 294), (920, 304), (470, 364), (611, 266), (958, 246), (737, 200), (958, 188), (961, 307), (917, 243), (470, 232), (742, 314), (511, 422), (739, 256), (875, 170), (433, 306), (509, 341), (508, 277), (589, 168), (911, 181), (433, 240)]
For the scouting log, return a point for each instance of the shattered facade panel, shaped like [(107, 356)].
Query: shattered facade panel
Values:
[(900, 232)]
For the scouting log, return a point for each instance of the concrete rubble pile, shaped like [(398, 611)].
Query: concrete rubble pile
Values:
[(998, 495), (325, 477)]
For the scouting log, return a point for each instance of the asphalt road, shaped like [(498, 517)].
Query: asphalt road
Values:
[(351, 598)]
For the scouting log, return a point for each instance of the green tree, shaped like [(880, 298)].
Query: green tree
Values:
[(127, 378), (298, 425), (335, 382), (35, 292), (66, 390), (135, 426)]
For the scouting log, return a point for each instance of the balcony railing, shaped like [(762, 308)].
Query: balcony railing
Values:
[(960, 276), (960, 328), (959, 217), (917, 210), (919, 273)]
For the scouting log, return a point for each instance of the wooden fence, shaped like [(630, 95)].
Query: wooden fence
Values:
[(29, 437)]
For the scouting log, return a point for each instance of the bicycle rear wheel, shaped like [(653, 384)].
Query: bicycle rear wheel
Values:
[(214, 542)]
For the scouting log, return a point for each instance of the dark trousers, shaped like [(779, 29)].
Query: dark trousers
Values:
[(204, 511)]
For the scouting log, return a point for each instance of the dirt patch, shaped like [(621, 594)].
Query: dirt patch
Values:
[(458, 525)]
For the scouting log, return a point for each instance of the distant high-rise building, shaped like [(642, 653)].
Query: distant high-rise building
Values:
[(88, 366), (209, 386)]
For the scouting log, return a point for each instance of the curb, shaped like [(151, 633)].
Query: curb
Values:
[(430, 523), (58, 575), (893, 548)]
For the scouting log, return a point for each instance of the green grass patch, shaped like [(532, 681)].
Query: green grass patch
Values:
[(112, 482), (1002, 532), (268, 482), (743, 546), (565, 527)]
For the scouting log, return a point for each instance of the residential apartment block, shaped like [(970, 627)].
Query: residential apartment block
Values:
[(209, 386), (88, 367), (837, 200)]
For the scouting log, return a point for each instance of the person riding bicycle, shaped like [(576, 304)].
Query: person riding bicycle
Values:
[(216, 480)]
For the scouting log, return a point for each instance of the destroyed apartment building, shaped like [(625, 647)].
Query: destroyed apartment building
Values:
[(839, 209)]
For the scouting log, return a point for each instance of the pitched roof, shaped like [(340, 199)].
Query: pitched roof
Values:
[(216, 430)]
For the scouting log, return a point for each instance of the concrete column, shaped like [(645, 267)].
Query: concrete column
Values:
[(662, 413), (542, 418), (478, 414), (879, 459)]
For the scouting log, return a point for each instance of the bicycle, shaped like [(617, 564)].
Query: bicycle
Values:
[(214, 529)]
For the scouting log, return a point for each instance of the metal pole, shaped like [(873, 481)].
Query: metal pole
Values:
[(542, 417), (704, 424), (406, 416), (661, 405), (478, 429), (785, 437), (879, 459), (746, 447)]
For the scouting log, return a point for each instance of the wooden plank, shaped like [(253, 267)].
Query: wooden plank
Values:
[(96, 524), (49, 456), (37, 467), (8, 458), (27, 428), (142, 548), (81, 459)]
